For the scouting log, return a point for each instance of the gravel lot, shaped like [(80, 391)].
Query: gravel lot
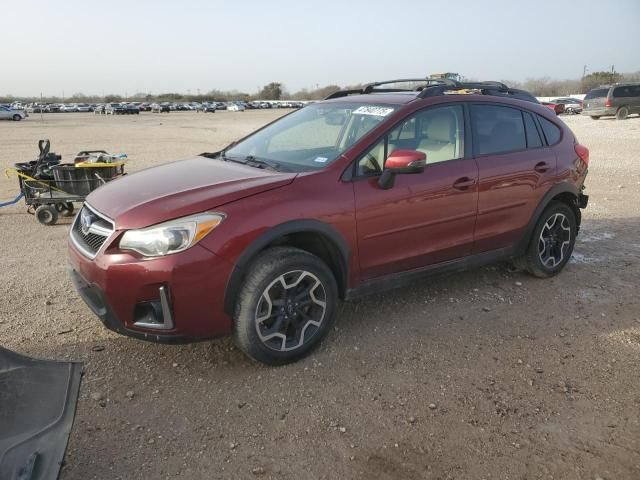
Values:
[(478, 375)]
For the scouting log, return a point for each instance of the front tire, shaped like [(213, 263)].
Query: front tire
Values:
[(552, 241), (285, 307), (17, 118), (595, 117)]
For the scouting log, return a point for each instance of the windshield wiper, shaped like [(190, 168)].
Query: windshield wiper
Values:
[(261, 163)]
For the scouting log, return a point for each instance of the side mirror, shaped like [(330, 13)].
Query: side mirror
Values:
[(401, 161)]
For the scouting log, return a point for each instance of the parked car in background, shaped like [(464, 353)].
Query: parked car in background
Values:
[(221, 106), (99, 110), (144, 107), (131, 109), (114, 109), (619, 100), (8, 113), (366, 190), (160, 108), (209, 108), (83, 107), (54, 108), (69, 108), (558, 108), (236, 107), (36, 108), (571, 105)]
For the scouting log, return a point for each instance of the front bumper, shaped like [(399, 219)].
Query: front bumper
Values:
[(118, 287)]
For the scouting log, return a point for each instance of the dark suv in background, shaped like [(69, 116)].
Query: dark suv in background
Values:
[(620, 100), (362, 192)]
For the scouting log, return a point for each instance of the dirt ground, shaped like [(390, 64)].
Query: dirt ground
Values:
[(478, 375)]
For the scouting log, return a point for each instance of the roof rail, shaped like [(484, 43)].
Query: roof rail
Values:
[(371, 87), (435, 90), (432, 87)]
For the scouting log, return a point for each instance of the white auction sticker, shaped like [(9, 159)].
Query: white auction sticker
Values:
[(373, 110), (320, 159)]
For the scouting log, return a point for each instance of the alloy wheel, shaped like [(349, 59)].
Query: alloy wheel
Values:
[(554, 240), (290, 310)]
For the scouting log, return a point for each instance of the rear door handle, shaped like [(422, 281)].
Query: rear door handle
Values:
[(541, 167), (463, 183)]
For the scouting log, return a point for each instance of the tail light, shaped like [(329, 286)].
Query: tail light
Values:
[(583, 153), (608, 103)]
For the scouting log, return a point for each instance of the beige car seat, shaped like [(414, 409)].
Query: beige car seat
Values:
[(439, 137)]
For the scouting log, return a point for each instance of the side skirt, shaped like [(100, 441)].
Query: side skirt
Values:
[(397, 280)]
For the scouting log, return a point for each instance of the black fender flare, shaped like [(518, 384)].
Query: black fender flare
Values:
[(245, 259), (553, 192)]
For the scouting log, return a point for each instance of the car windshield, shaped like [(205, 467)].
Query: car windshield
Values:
[(310, 138)]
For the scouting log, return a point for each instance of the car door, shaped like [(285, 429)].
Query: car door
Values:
[(515, 170), (424, 218), (5, 113)]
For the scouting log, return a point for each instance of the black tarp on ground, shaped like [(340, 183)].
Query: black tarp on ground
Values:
[(37, 405)]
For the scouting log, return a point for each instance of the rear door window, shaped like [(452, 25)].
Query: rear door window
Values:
[(497, 129), (533, 137), (551, 131), (626, 91)]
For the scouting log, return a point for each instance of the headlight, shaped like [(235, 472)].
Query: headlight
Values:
[(170, 237)]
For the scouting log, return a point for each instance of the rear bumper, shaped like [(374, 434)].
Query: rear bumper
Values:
[(599, 112), (125, 291)]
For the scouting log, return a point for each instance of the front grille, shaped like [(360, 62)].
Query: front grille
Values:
[(90, 239)]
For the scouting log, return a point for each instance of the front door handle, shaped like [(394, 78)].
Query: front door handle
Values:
[(463, 183), (541, 167)]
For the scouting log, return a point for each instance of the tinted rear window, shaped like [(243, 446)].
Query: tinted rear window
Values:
[(627, 91), (597, 93), (497, 129), (551, 131)]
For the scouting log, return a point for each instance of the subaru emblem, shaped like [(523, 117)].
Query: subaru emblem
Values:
[(86, 219)]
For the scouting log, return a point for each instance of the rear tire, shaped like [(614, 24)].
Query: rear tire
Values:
[(622, 113), (47, 214), (551, 243), (593, 117), (17, 118), (285, 307)]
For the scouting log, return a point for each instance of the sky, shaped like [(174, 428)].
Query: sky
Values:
[(57, 47)]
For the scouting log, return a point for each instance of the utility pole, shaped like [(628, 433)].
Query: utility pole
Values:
[(584, 71)]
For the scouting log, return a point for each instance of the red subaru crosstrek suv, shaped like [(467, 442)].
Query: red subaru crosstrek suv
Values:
[(361, 192)]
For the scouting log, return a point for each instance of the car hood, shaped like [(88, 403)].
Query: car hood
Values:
[(180, 188)]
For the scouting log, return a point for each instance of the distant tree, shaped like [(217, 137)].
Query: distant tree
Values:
[(596, 79), (112, 98), (273, 91)]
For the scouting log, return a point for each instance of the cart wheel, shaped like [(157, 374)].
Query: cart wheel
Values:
[(47, 214)]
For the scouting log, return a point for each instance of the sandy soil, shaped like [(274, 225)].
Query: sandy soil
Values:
[(479, 375)]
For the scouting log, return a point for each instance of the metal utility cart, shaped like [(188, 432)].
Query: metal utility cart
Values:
[(50, 188)]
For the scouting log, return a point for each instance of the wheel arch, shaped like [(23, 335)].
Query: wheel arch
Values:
[(313, 236), (566, 193)]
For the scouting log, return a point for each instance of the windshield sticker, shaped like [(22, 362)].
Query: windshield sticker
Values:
[(371, 110), (320, 159)]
